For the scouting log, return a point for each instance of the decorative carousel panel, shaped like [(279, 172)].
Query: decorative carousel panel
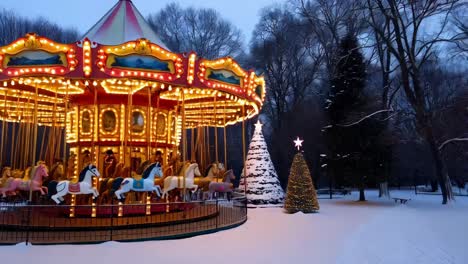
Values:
[(35, 58), (109, 122), (223, 73), (86, 123), (223, 76), (160, 125), (138, 122), (140, 62), (140, 58), (34, 55)]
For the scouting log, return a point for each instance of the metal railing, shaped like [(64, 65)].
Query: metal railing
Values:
[(64, 224)]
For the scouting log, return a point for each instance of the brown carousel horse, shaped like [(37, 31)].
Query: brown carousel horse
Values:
[(105, 185), (57, 173)]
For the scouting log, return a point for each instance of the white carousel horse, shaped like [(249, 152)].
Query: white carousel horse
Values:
[(212, 174), (214, 171), (38, 173), (173, 182), (84, 186), (146, 184)]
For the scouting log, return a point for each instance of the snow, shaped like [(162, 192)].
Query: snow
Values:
[(344, 231)]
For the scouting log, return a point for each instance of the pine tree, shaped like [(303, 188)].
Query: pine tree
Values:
[(346, 104), (263, 186), (301, 194)]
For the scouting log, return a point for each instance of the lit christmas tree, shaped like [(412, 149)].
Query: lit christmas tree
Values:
[(301, 194), (263, 186)]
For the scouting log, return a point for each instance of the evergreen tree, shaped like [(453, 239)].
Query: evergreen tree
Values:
[(344, 105), (301, 194), (263, 186)]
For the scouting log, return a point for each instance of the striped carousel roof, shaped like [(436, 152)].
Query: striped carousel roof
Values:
[(120, 24)]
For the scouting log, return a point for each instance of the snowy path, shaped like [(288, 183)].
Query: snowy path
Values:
[(376, 232)]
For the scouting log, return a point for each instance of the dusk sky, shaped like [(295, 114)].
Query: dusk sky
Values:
[(82, 14)]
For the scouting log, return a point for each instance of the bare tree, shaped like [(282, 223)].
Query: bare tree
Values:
[(460, 23), (330, 20), (13, 27), (411, 49), (201, 30), (287, 53)]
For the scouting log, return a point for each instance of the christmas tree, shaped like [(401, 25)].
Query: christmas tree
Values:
[(263, 186), (301, 194)]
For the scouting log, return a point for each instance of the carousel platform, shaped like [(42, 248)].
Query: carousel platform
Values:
[(53, 224)]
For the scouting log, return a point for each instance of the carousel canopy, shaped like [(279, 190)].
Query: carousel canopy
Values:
[(121, 60), (120, 24)]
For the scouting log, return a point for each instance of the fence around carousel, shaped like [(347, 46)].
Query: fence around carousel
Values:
[(51, 224)]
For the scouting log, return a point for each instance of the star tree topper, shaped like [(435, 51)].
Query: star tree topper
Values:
[(258, 125), (298, 143)]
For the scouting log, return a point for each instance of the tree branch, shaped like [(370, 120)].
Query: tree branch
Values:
[(450, 141), (365, 117)]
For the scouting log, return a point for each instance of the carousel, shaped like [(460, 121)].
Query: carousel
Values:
[(92, 122)]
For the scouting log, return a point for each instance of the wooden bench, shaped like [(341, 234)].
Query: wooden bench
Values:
[(401, 200), (334, 191)]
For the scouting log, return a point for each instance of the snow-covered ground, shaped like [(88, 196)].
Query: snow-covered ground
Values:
[(344, 231)]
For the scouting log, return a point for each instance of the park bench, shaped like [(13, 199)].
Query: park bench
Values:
[(334, 191), (401, 200)]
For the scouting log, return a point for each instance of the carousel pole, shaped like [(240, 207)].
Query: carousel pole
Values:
[(5, 125), (54, 125), (94, 153), (216, 136), (42, 143), (157, 121), (148, 125), (22, 139), (95, 138), (4, 117), (12, 149), (201, 138), (224, 135), (34, 138), (20, 145), (65, 112), (184, 139), (208, 144), (192, 144), (25, 160), (243, 147)]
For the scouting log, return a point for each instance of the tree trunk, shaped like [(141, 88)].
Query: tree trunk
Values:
[(444, 184), (383, 190), (362, 196)]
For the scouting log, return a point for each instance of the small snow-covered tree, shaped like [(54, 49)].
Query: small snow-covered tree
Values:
[(263, 186)]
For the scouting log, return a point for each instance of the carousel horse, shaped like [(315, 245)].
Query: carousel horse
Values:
[(56, 173), (177, 182), (106, 184), (38, 173), (146, 184), (222, 187), (213, 171), (110, 165), (84, 186), (6, 176)]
